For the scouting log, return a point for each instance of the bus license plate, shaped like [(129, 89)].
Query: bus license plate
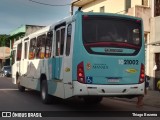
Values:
[(113, 80)]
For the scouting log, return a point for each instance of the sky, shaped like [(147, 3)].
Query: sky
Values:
[(15, 13)]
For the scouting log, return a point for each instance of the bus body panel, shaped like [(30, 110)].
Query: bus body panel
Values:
[(105, 69), (113, 73), (107, 90), (55, 86)]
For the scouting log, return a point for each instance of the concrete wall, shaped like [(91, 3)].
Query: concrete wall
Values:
[(155, 31), (136, 2), (111, 6), (108, 4), (144, 13), (31, 29)]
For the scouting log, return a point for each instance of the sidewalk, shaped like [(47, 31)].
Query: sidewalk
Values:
[(151, 99)]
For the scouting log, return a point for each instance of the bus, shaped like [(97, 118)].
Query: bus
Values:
[(87, 55)]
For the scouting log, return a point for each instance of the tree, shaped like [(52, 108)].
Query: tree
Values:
[(4, 41)]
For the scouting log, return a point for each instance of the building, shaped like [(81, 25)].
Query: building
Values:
[(149, 11), (4, 56), (154, 44), (22, 31), (4, 50)]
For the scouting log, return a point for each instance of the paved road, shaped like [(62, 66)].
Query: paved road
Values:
[(13, 100)]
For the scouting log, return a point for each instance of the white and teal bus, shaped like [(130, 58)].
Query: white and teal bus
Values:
[(90, 55)]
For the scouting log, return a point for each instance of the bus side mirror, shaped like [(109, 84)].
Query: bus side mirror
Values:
[(50, 34)]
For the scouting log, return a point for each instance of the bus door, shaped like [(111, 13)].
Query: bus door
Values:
[(16, 57), (58, 61), (17, 66), (67, 69), (24, 63)]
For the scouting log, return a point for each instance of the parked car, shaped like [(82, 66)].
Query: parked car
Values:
[(6, 71)]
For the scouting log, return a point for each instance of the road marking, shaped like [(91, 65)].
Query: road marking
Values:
[(7, 89)]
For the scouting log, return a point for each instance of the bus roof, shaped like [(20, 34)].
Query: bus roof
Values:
[(108, 14)]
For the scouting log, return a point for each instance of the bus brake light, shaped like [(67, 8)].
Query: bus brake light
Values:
[(85, 17), (138, 21), (80, 73), (142, 74)]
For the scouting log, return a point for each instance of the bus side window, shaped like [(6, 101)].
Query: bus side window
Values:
[(13, 56), (25, 50), (62, 41), (48, 48), (19, 51), (32, 48), (40, 50), (68, 43), (57, 43)]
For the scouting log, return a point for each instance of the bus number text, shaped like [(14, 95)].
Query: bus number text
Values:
[(128, 62)]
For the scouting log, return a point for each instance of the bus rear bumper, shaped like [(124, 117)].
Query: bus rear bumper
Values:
[(107, 90)]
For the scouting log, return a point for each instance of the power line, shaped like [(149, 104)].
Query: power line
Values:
[(49, 4)]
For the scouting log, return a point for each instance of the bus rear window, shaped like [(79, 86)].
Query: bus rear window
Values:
[(115, 30)]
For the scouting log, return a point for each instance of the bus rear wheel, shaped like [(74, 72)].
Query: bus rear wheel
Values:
[(92, 99), (45, 97)]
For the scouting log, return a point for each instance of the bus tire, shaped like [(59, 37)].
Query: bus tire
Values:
[(20, 87), (92, 99), (45, 97)]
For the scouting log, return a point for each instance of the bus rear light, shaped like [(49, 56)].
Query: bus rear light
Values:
[(85, 17), (138, 21), (142, 74), (80, 73)]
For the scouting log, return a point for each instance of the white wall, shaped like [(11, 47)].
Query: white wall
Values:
[(136, 2), (155, 29), (111, 6), (154, 37)]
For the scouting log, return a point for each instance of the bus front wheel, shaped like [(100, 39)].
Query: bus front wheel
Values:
[(46, 98), (20, 88)]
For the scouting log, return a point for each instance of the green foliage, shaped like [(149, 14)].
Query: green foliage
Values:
[(4, 41)]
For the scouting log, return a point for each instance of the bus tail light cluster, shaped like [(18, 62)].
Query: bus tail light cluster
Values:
[(80, 73), (142, 74)]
